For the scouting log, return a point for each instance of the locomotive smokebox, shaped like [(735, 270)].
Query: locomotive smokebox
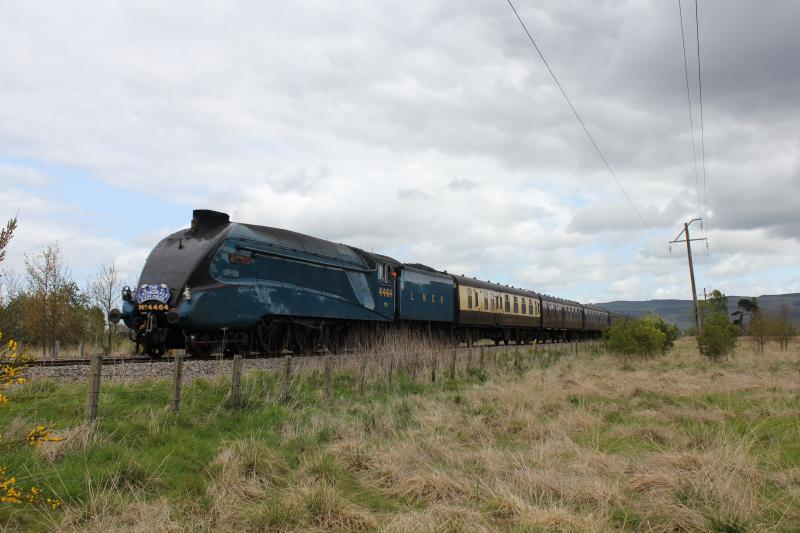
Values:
[(207, 219)]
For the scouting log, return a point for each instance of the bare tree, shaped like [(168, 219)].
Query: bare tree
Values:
[(5, 236), (785, 329), (104, 290), (47, 277)]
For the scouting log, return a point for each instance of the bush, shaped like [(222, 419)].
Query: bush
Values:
[(643, 337), (718, 336), (670, 331)]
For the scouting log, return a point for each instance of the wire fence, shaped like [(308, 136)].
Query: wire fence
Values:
[(288, 378)]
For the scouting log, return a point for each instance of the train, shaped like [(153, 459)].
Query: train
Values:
[(231, 287)]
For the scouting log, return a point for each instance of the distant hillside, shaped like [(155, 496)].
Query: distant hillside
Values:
[(680, 311)]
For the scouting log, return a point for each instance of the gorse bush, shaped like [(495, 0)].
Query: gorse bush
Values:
[(12, 366), (670, 331), (646, 337)]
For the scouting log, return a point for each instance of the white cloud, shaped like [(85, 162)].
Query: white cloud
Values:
[(430, 133)]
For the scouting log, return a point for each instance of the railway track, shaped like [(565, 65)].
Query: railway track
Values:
[(152, 360), (134, 360)]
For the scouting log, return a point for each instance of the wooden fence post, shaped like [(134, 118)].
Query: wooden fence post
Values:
[(453, 362), (177, 376), (391, 369), (287, 377), (362, 375), (516, 357), (469, 360), (327, 376), (81, 350), (414, 367), (481, 361), (236, 379), (57, 350), (434, 357), (93, 396)]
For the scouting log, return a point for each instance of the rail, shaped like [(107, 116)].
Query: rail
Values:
[(118, 360)]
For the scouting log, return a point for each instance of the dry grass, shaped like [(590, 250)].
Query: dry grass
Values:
[(588, 444)]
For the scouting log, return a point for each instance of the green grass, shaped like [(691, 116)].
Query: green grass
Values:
[(586, 442), (140, 444)]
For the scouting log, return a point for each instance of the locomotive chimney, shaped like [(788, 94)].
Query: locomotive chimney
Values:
[(207, 219)]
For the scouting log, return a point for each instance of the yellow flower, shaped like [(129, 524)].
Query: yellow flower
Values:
[(41, 434)]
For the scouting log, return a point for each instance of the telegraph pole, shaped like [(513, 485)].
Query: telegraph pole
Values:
[(688, 241)]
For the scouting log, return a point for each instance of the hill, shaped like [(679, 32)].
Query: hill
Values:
[(680, 311)]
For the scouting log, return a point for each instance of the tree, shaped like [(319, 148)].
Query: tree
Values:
[(748, 306), (104, 290), (717, 303), (759, 328), (5, 236), (718, 335), (9, 287), (47, 280), (785, 329)]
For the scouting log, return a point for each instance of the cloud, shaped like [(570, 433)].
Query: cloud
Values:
[(461, 184), (413, 129)]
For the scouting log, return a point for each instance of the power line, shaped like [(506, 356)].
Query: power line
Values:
[(583, 125), (702, 129), (689, 102)]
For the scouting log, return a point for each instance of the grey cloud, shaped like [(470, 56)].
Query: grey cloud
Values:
[(311, 117), (412, 194), (461, 184)]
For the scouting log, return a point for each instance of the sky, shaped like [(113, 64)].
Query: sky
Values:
[(429, 131)]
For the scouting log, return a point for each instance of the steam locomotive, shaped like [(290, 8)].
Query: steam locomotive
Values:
[(239, 288)]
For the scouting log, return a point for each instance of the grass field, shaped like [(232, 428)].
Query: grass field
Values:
[(583, 443)]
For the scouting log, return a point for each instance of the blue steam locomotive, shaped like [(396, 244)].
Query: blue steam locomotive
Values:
[(246, 288)]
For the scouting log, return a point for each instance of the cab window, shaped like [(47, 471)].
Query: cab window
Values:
[(384, 272)]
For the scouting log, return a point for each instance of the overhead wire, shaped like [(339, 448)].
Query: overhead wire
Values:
[(583, 125), (691, 119), (702, 134)]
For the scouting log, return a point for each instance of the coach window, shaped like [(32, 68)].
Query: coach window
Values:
[(486, 300), (516, 305), (469, 298), (508, 304), (524, 307)]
